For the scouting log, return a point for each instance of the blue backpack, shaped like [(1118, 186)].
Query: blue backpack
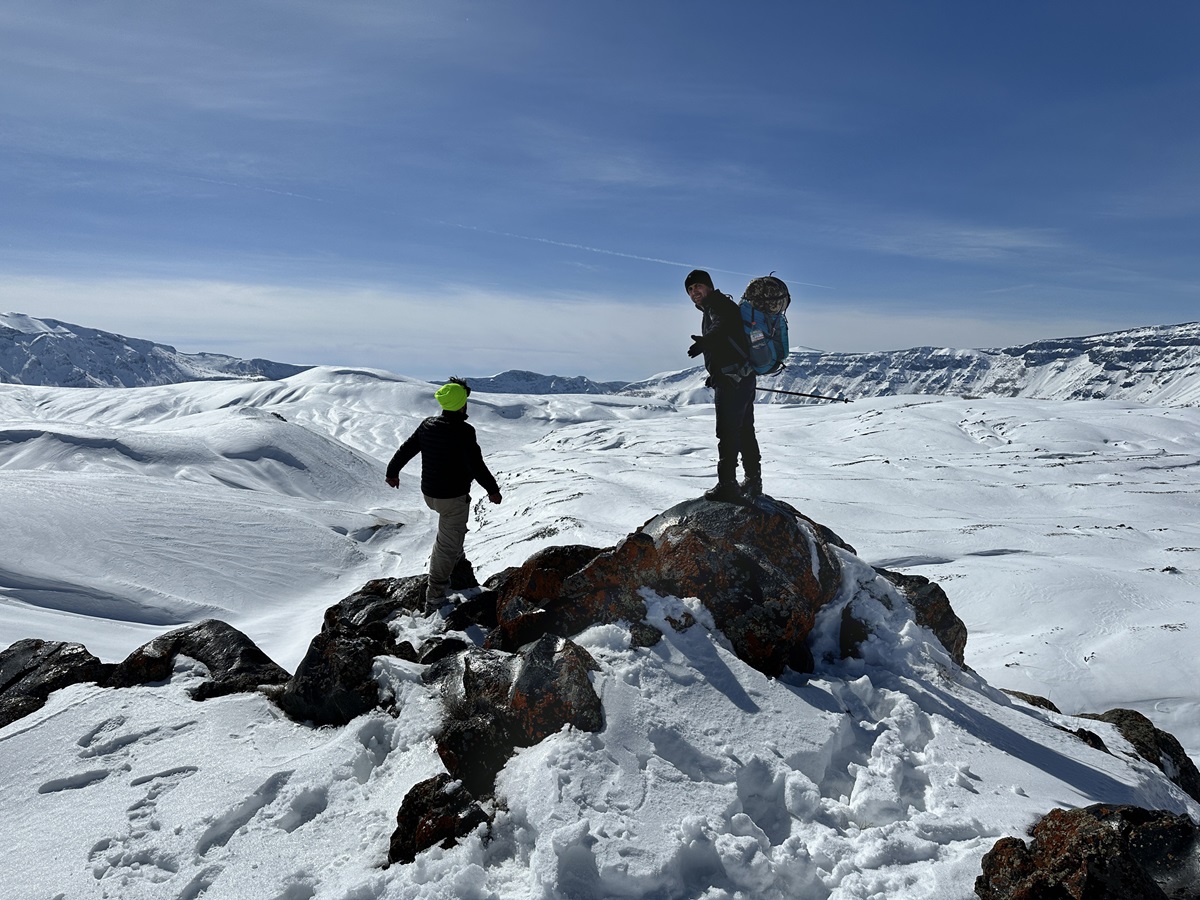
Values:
[(763, 306)]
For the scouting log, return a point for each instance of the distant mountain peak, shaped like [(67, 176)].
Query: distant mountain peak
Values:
[(519, 381), (28, 325), (58, 354)]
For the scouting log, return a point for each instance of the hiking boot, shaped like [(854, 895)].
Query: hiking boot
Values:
[(463, 576), (434, 602), (725, 492), (752, 486)]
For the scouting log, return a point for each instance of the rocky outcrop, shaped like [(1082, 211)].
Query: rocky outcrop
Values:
[(235, 663), (497, 702), (763, 570), (436, 811), (524, 593), (334, 682), (1098, 853), (1156, 746), (30, 670), (1033, 700), (503, 653)]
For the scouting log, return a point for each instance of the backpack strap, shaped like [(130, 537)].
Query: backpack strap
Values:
[(737, 373)]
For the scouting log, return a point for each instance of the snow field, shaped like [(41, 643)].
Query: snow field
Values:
[(1064, 533)]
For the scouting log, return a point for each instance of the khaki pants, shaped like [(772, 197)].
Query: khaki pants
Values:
[(448, 546)]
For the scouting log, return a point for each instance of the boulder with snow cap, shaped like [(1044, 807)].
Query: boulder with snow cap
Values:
[(234, 662), (763, 570)]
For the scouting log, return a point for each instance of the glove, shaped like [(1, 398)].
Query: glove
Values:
[(708, 381), (695, 350)]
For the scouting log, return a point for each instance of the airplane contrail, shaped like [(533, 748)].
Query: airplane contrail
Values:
[(571, 246), (248, 187)]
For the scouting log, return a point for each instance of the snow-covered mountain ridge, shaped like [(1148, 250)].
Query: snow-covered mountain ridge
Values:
[(58, 354), (1154, 364), (519, 381)]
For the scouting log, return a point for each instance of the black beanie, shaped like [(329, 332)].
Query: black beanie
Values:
[(698, 276)]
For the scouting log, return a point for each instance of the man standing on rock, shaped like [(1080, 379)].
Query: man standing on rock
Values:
[(723, 342), (450, 461)]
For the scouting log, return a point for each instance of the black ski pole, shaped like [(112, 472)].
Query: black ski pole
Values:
[(798, 394)]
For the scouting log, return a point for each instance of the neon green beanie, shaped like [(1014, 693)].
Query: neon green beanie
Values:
[(451, 396)]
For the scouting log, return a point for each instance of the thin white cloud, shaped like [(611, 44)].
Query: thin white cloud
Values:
[(944, 240)]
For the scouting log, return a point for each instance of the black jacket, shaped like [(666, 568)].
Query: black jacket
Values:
[(450, 457), (723, 337)]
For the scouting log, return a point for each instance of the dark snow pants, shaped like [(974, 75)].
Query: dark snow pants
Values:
[(735, 428)]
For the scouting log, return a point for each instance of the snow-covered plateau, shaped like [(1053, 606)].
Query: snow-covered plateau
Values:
[(1065, 533)]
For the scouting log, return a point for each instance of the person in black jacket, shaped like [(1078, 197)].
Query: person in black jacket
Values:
[(723, 342), (450, 461)]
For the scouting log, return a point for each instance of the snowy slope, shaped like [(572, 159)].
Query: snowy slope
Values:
[(1157, 364), (50, 352), (1064, 533)]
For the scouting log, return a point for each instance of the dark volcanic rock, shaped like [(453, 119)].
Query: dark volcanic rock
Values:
[(608, 589), (334, 682), (1155, 745), (552, 689), (436, 811), (504, 702), (763, 570), (32, 669), (234, 661), (478, 736), (522, 593), (1098, 853)]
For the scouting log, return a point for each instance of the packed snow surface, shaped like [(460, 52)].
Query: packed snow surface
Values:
[(1065, 534)]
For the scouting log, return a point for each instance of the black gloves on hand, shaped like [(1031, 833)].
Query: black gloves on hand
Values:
[(695, 350)]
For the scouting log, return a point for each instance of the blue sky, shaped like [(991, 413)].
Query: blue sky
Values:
[(477, 186)]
